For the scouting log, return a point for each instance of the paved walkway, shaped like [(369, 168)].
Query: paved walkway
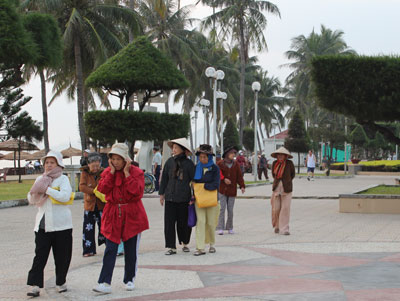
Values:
[(329, 256)]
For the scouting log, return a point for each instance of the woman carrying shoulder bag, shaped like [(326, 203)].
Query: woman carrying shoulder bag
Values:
[(51, 193), (206, 184)]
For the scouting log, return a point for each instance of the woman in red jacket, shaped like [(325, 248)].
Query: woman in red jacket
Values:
[(124, 216)]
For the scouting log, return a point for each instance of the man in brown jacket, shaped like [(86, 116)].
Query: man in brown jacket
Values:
[(231, 176), (93, 206), (283, 172)]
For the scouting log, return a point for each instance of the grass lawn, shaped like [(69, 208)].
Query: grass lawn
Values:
[(383, 189), (322, 175), (13, 190), (255, 182)]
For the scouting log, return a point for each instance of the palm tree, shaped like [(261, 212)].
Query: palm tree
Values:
[(91, 33), (303, 49), (243, 22)]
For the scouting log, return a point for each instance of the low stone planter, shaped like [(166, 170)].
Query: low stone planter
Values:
[(397, 181), (369, 203)]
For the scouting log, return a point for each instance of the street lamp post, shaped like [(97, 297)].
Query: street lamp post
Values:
[(204, 103), (215, 76), (222, 96), (256, 87), (196, 110)]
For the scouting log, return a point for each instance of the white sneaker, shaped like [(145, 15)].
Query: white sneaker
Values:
[(312, 179), (130, 286), (104, 288), (61, 288), (34, 291)]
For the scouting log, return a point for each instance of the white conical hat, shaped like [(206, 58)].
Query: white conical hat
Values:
[(180, 141), (281, 150)]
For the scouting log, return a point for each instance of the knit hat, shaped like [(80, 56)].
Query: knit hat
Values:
[(56, 155), (283, 151), (92, 157), (183, 142), (228, 150), (120, 149), (205, 149)]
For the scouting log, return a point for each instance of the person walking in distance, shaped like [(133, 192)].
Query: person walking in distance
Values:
[(310, 163), (283, 173), (241, 160), (175, 194), (262, 167), (232, 177), (156, 165), (51, 193), (124, 217)]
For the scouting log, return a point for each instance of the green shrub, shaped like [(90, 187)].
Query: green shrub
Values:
[(121, 125)]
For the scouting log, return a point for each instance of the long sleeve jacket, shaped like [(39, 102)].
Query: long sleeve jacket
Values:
[(175, 184), (287, 178), (87, 184), (211, 178), (234, 174), (124, 215), (57, 217)]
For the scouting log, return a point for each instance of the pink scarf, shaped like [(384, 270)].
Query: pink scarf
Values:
[(39, 188)]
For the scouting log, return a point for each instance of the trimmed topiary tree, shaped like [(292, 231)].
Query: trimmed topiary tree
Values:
[(139, 67), (121, 125), (231, 134), (365, 88), (248, 138), (297, 140)]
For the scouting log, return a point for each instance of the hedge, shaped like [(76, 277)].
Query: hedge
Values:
[(366, 88), (121, 125)]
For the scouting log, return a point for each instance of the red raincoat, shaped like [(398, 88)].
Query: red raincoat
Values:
[(124, 215)]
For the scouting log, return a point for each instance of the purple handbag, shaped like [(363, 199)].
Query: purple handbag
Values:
[(192, 218)]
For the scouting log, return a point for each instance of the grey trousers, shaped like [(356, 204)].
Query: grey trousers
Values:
[(227, 202)]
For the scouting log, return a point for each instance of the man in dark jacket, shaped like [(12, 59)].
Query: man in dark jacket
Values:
[(175, 193), (232, 177)]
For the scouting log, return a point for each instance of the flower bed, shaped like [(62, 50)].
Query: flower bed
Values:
[(378, 165)]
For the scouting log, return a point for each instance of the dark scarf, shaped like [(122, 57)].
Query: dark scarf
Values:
[(178, 171)]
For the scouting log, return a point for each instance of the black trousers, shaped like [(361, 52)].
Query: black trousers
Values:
[(61, 243), (131, 248), (157, 176), (176, 214), (90, 218), (261, 171)]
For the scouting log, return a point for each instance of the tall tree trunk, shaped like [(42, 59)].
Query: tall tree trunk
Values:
[(167, 103), (44, 112), (298, 163), (131, 5), (80, 90), (242, 76)]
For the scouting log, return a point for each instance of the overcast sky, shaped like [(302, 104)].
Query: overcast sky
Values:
[(371, 27)]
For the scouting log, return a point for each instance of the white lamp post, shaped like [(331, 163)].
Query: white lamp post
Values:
[(215, 76), (204, 103), (222, 96), (196, 110), (256, 87)]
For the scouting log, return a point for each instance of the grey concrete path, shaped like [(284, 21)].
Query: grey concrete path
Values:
[(328, 256)]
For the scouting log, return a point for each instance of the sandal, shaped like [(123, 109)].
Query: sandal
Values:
[(212, 250), (88, 255), (199, 252), (170, 252), (185, 249)]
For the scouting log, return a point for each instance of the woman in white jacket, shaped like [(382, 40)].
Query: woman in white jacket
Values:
[(51, 193)]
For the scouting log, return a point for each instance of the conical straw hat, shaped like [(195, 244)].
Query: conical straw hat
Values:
[(180, 141), (281, 150)]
